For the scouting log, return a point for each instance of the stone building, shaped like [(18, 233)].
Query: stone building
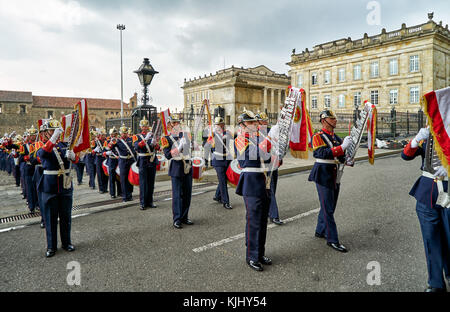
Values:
[(19, 110), (390, 69), (256, 89)]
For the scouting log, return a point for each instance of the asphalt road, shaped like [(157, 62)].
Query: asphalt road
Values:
[(132, 250)]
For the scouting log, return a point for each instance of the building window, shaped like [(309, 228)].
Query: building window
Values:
[(327, 77), (1, 108), (106, 113), (374, 97), (414, 95), (374, 69), (22, 109), (192, 98), (357, 99), (50, 114), (357, 72), (341, 75), (314, 79), (414, 63), (299, 80), (393, 67), (393, 96), (341, 100), (327, 101), (314, 102)]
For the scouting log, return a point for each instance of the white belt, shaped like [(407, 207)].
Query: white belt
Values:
[(181, 158), (327, 161), (113, 157), (252, 169), (144, 154), (55, 172), (126, 157), (431, 176), (38, 165), (219, 154)]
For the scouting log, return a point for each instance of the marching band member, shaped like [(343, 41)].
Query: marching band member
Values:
[(433, 218), (221, 159), (90, 160), (329, 150), (39, 171), (252, 186), (28, 170), (176, 148), (273, 211), (99, 158), (126, 158), (113, 162), (146, 149), (56, 187)]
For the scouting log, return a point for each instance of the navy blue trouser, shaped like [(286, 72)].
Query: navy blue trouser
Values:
[(8, 165), (326, 224), (91, 169), (36, 177), (102, 179), (17, 176), (127, 187), (434, 223), (31, 193), (222, 188), (273, 211), (57, 206), (147, 176), (181, 197), (257, 212), (79, 167), (114, 183)]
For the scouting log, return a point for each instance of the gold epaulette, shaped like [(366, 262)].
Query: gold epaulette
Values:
[(241, 143), (164, 142), (317, 141)]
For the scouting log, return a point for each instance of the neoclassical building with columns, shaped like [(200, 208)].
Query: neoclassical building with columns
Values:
[(233, 89), (390, 69)]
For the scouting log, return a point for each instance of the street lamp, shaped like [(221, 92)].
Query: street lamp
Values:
[(120, 28), (146, 72)]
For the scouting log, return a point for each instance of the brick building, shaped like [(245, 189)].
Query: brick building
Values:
[(19, 110)]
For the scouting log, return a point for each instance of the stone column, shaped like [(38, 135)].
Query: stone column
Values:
[(265, 99), (272, 100)]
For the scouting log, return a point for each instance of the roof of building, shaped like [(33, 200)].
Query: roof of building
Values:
[(16, 96), (69, 102)]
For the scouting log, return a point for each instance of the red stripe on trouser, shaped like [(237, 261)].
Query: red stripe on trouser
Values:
[(248, 229), (324, 211)]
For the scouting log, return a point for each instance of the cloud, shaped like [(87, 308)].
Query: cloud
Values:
[(71, 48)]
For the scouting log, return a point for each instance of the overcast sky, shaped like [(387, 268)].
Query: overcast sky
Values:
[(72, 48)]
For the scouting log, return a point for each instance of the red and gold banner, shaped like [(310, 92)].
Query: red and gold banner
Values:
[(301, 133)]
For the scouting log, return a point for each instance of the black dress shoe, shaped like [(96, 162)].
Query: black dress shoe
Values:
[(227, 206), (217, 199), (437, 290), (277, 221), (266, 260), (152, 206), (337, 247), (319, 235), (69, 247), (50, 253), (188, 222), (142, 208), (255, 265), (42, 225), (177, 225), (113, 196)]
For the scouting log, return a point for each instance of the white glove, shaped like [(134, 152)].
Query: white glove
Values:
[(97, 149), (70, 155), (422, 135), (441, 172), (109, 153), (347, 141), (274, 132), (147, 137), (181, 144), (56, 135)]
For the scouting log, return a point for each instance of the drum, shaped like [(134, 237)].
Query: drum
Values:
[(105, 168), (133, 175), (198, 164), (162, 165), (234, 173)]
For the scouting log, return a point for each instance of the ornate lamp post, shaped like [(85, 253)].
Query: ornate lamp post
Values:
[(146, 72)]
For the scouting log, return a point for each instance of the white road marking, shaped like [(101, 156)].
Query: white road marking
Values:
[(13, 228), (242, 235)]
